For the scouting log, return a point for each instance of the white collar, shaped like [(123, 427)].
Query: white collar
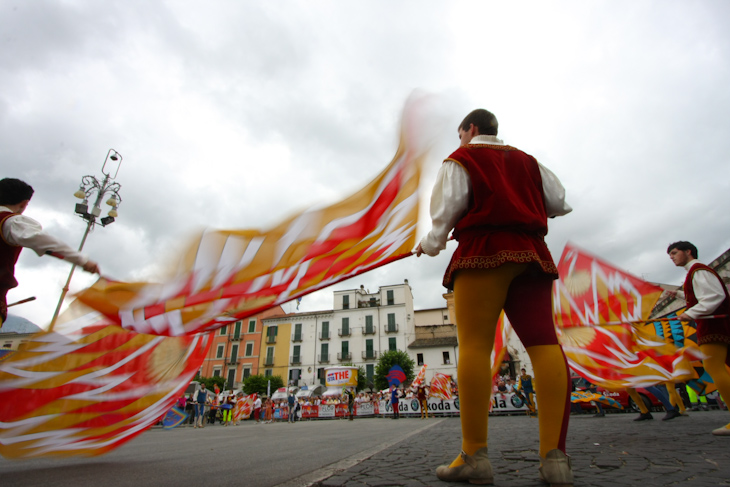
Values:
[(692, 262), (486, 139)]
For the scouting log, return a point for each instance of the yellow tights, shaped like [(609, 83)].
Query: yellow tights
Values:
[(715, 366), (479, 297)]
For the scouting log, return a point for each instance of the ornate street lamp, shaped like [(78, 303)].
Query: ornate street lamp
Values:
[(89, 188)]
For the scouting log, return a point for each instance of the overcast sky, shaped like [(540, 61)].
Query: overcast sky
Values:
[(235, 114)]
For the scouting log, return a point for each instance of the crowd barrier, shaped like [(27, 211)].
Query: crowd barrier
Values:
[(507, 403)]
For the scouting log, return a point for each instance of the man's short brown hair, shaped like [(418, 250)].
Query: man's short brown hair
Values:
[(484, 120), (683, 245)]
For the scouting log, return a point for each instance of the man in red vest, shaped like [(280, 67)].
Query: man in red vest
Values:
[(497, 199), (20, 231), (706, 295)]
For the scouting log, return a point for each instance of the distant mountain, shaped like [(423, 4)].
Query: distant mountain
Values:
[(16, 324)]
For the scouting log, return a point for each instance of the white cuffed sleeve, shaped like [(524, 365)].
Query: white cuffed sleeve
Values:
[(25, 232), (555, 203), (709, 293), (449, 202)]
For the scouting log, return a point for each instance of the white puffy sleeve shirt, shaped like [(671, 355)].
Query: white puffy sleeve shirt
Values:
[(24, 231), (708, 291), (452, 192)]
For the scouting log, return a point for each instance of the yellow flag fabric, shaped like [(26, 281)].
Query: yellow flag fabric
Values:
[(91, 388), (230, 274), (596, 309)]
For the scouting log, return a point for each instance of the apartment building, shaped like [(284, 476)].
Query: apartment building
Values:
[(360, 327), (236, 351)]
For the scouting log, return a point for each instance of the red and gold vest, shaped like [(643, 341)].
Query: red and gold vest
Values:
[(689, 294), (8, 257), (507, 191)]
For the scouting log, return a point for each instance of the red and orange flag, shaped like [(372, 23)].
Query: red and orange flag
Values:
[(227, 275), (597, 307), (89, 390)]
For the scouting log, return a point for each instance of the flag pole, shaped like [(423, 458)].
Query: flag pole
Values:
[(32, 298), (637, 322)]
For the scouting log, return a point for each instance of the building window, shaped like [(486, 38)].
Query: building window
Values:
[(295, 374), (345, 351), (268, 372), (297, 332), (390, 297), (391, 327), (296, 354), (447, 360), (217, 372), (237, 330), (419, 358), (321, 376), (223, 330), (234, 354), (324, 355), (231, 383), (325, 335), (345, 301), (269, 356), (392, 344), (219, 352), (369, 328), (370, 372), (246, 372), (252, 326), (345, 331), (249, 349), (271, 333)]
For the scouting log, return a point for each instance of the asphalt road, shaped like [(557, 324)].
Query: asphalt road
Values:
[(255, 455)]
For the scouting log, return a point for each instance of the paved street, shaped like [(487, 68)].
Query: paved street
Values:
[(611, 451)]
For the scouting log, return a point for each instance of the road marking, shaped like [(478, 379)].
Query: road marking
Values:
[(310, 478)]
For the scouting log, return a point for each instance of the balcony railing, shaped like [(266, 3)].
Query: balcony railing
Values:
[(232, 360), (323, 359), (344, 356), (344, 332), (369, 354), (236, 338), (391, 328), (270, 338), (296, 359), (368, 330), (269, 361), (324, 335), (296, 337)]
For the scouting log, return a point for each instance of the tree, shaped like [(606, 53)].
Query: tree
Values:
[(259, 384), (388, 360)]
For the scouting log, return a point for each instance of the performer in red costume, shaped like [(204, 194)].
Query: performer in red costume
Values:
[(498, 199), (20, 231), (706, 295)]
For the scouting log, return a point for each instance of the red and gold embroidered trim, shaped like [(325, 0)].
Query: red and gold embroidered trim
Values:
[(714, 338), (497, 260)]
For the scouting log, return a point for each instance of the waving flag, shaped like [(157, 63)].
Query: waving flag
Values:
[(501, 338), (684, 336), (441, 387), (420, 377), (174, 418), (592, 291), (244, 407), (228, 275), (91, 388), (395, 375), (616, 354)]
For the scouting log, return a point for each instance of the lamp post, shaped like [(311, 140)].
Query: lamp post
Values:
[(90, 187)]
